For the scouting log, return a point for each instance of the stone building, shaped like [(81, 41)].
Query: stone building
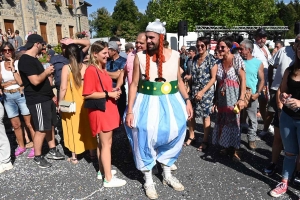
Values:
[(53, 19)]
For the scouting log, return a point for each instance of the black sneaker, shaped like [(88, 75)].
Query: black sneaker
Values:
[(55, 155), (270, 170), (296, 180), (42, 162)]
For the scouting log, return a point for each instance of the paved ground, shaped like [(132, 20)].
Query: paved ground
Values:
[(205, 176)]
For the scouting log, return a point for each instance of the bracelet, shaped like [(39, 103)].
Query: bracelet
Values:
[(106, 94), (241, 100), (129, 113), (186, 99)]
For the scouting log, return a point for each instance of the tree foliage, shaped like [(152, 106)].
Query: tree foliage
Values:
[(126, 21)]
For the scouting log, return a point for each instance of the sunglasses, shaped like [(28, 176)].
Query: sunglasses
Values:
[(6, 51), (201, 45), (119, 45)]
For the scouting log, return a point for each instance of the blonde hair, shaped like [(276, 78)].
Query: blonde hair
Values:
[(96, 48)]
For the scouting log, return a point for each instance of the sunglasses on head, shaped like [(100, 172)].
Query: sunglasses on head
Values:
[(201, 45), (6, 51)]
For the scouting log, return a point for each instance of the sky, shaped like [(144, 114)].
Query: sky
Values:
[(110, 4)]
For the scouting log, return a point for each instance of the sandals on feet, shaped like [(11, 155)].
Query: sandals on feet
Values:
[(74, 161), (204, 146), (191, 140)]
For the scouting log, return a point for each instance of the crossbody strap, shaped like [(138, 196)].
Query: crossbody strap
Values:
[(100, 80)]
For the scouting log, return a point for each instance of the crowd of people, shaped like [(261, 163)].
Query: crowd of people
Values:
[(167, 91)]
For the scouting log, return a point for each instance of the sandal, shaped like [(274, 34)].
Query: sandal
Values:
[(204, 146), (74, 161), (29, 145), (191, 140), (236, 157)]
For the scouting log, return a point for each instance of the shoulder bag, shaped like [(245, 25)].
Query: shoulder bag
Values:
[(68, 106), (97, 104)]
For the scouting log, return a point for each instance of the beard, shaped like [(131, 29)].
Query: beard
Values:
[(152, 47)]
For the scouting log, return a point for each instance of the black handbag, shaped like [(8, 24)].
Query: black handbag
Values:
[(97, 104)]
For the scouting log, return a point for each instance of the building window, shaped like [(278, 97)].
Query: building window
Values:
[(58, 32), (69, 2), (71, 31), (43, 27)]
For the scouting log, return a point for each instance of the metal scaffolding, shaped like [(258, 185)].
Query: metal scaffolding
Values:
[(204, 28)]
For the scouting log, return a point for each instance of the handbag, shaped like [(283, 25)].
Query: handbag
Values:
[(97, 104), (68, 106)]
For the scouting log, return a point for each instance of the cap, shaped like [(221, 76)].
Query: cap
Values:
[(21, 48), (157, 27), (113, 45), (33, 38), (261, 32), (235, 45), (192, 48)]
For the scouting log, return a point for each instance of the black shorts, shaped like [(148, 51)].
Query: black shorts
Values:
[(43, 115)]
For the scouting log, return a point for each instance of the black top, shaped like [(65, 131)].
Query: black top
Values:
[(293, 89), (29, 66)]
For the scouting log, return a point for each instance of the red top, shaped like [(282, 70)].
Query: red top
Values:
[(100, 120)]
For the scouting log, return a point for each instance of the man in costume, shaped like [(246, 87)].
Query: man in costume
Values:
[(158, 108)]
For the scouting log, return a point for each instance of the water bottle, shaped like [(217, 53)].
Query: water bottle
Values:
[(288, 105)]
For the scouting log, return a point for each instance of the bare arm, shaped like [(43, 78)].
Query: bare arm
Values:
[(134, 84), (213, 73), (261, 79), (64, 82), (121, 78), (38, 79), (114, 75), (242, 78)]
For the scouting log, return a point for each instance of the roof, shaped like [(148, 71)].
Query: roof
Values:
[(86, 3)]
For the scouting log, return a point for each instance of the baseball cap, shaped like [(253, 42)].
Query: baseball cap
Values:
[(33, 38), (192, 48), (261, 32), (21, 48), (113, 45)]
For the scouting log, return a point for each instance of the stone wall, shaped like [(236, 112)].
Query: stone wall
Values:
[(23, 10)]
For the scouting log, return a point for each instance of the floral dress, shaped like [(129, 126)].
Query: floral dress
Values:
[(200, 78), (227, 128)]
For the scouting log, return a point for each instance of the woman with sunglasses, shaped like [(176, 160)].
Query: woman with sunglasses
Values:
[(229, 99), (14, 99), (203, 74), (289, 123)]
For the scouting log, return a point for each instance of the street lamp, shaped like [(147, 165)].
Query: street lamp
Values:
[(78, 15)]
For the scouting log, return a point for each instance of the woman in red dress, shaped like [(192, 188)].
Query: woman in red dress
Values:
[(102, 122)]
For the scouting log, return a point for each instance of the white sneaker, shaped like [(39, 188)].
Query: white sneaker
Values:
[(174, 183), (114, 182), (151, 191), (271, 129), (173, 167), (5, 167), (101, 176)]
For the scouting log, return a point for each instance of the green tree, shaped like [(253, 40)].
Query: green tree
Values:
[(126, 10), (101, 22)]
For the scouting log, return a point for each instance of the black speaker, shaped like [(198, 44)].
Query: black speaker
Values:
[(297, 28), (182, 28)]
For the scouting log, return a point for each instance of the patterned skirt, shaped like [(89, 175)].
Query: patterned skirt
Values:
[(159, 129)]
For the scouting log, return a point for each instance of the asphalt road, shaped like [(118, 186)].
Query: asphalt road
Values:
[(205, 176)]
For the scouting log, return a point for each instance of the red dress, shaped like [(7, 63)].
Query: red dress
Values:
[(99, 120)]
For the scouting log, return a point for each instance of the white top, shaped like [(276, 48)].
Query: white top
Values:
[(260, 55), (8, 76), (284, 58), (169, 68)]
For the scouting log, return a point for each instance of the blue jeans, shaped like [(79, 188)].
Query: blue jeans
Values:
[(13, 102), (290, 135)]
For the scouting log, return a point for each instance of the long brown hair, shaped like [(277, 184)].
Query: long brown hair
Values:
[(73, 53), (296, 65), (96, 48)]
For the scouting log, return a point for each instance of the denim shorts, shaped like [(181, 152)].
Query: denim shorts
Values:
[(13, 102)]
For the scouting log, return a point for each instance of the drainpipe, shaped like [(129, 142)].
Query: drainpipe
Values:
[(23, 21), (33, 12)]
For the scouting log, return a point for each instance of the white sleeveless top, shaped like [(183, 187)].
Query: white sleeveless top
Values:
[(8, 76), (169, 68)]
